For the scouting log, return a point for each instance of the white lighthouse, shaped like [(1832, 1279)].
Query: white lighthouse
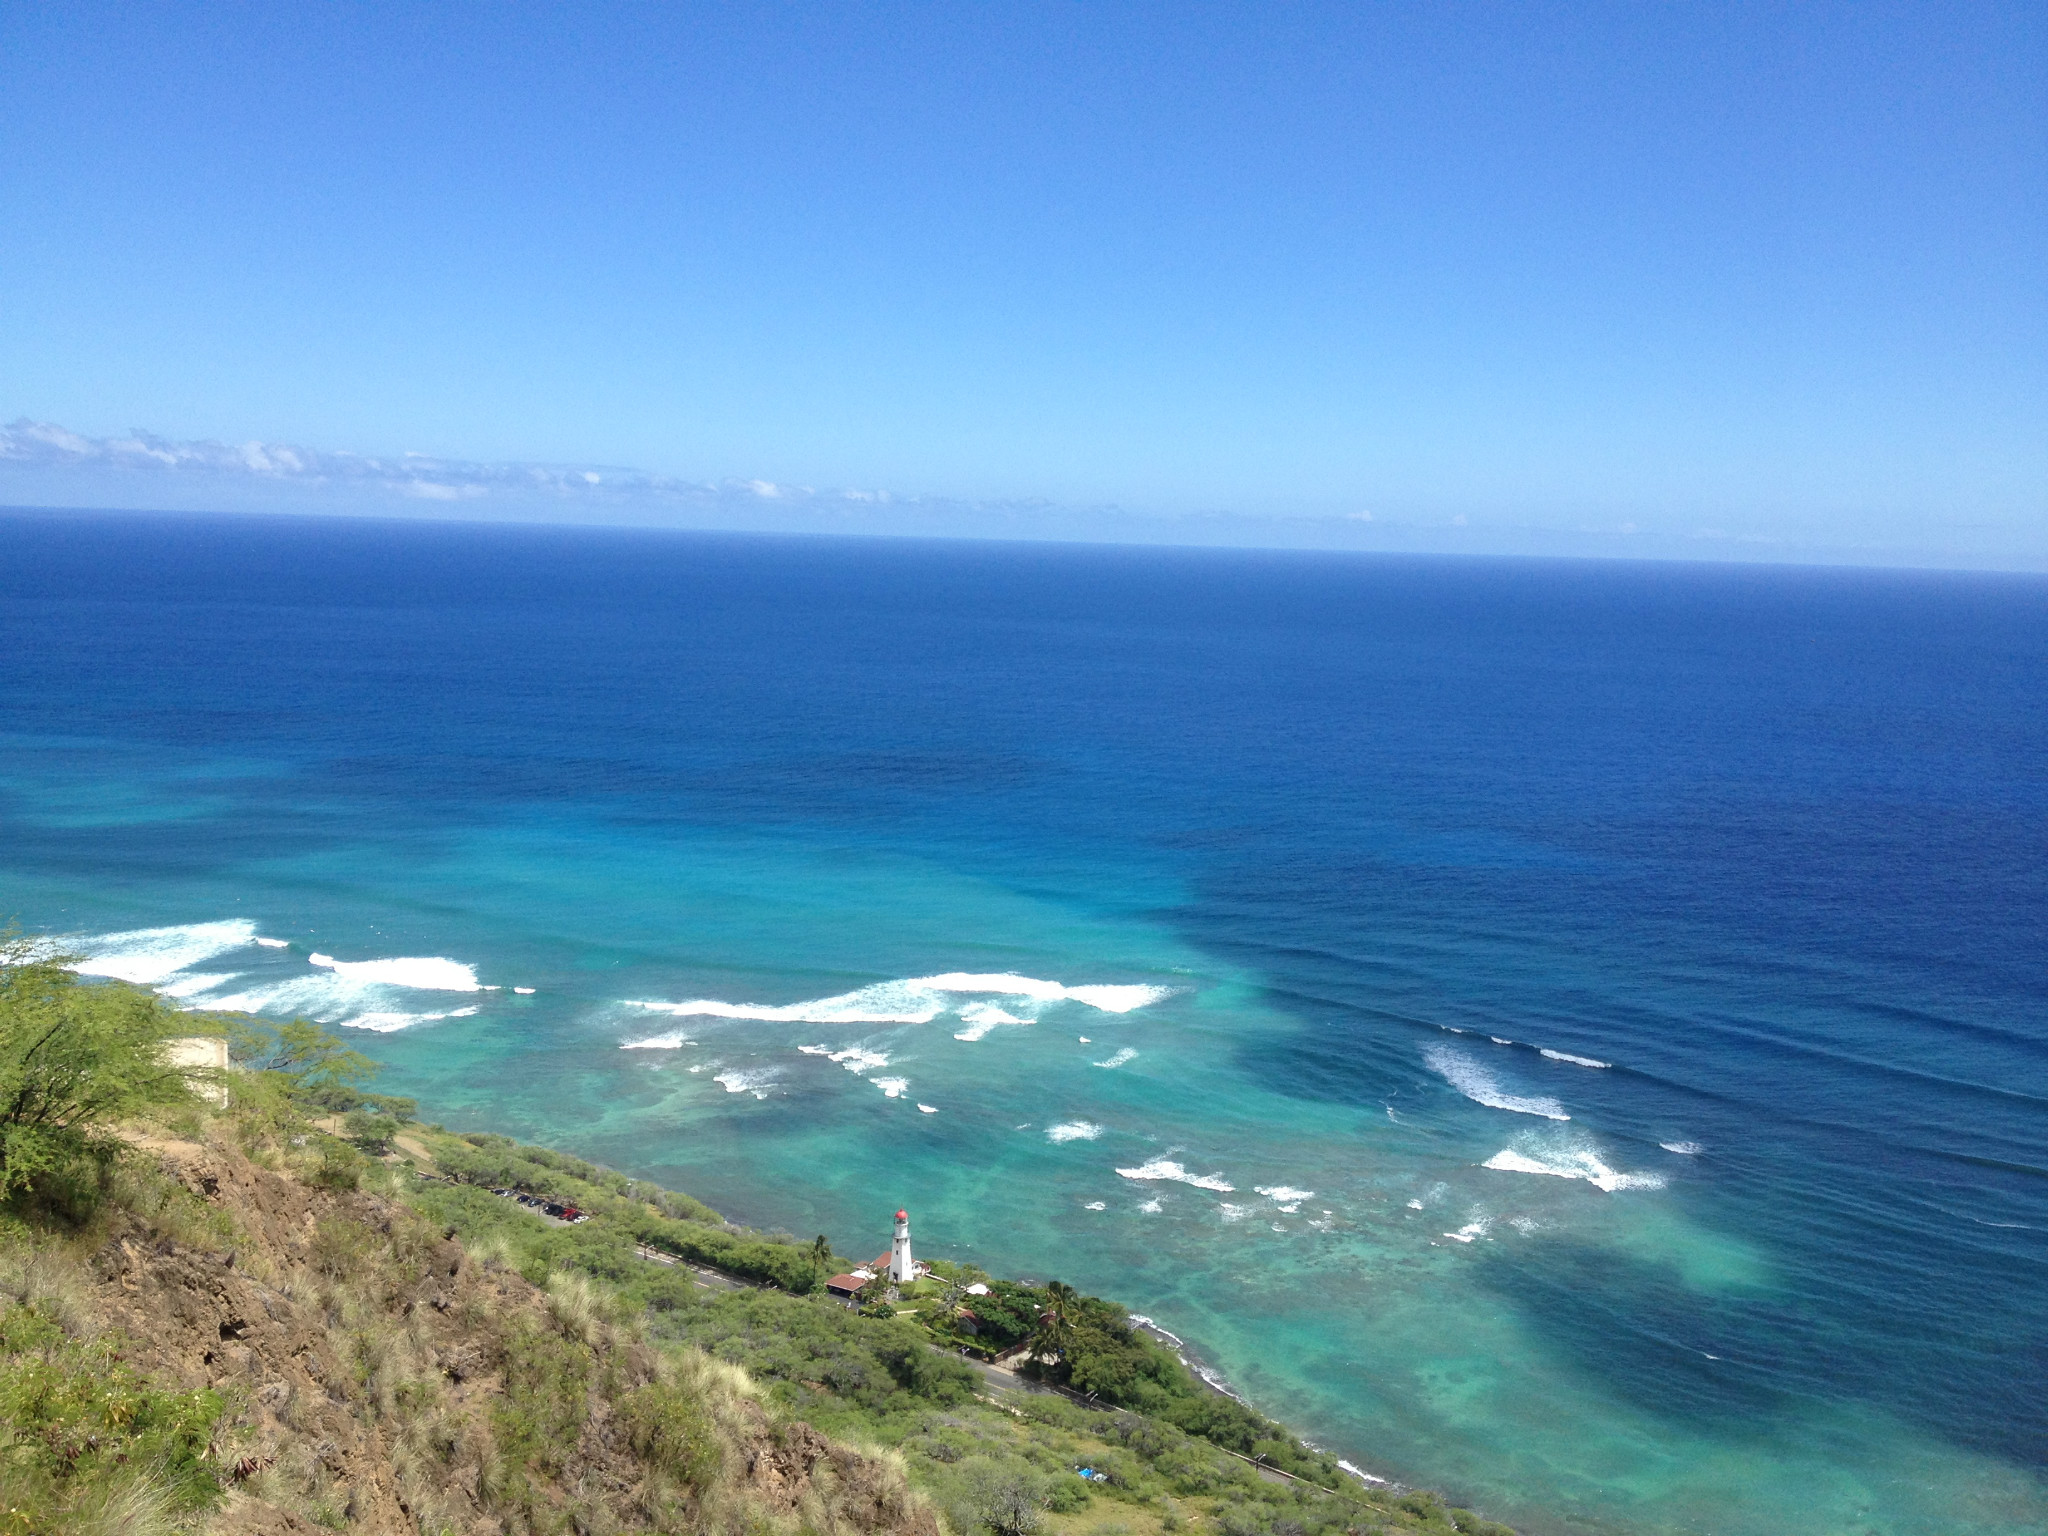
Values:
[(902, 1268)]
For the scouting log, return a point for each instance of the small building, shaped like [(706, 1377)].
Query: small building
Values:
[(846, 1285)]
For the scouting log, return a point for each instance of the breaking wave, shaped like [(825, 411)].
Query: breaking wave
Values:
[(1577, 1061), (754, 1080), (426, 973), (980, 1018), (1682, 1148), (858, 1059), (1073, 1130), (388, 1022), (1122, 1056), (1288, 1199), (355, 994), (921, 999), (1482, 1087), (147, 956), (1576, 1160), (1167, 1169)]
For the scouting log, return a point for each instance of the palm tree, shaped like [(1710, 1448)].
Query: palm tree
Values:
[(821, 1251), (1056, 1320)]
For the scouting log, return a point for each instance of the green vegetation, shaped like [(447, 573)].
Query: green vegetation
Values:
[(75, 1060), (891, 1373), (679, 1372), (85, 1442)]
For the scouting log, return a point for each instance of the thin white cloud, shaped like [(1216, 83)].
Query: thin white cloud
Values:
[(43, 464), (42, 445)]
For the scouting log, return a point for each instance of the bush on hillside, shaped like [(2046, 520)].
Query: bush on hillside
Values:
[(76, 1057), (83, 1436)]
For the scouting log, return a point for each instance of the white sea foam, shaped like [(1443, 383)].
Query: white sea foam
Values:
[(1358, 1472), (377, 995), (1568, 1160), (1475, 1228), (1122, 1056), (1289, 1200), (667, 1042), (893, 1087), (428, 973), (1084, 1039), (192, 984), (1073, 1130), (928, 1109), (147, 956), (1216, 1381), (1414, 1205), (1231, 1212), (980, 1018), (1164, 1168), (274, 943), (1500, 1040), (919, 1000), (1123, 999), (1096, 1205), (1140, 1320), (1577, 1061), (385, 1023), (1682, 1148), (1152, 1207), (755, 1080), (1482, 1087), (524, 991), (858, 1059)]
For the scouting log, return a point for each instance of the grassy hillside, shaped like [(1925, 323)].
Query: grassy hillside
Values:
[(295, 1307)]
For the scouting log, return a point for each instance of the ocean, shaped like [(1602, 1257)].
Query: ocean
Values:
[(1574, 1035)]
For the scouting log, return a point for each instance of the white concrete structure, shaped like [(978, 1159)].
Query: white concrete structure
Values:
[(902, 1268), (205, 1057)]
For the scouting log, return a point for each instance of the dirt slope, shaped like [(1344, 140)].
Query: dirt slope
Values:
[(386, 1381)]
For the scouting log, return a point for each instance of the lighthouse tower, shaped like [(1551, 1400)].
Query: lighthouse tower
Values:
[(902, 1268)]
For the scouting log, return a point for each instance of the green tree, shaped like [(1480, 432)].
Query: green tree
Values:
[(821, 1252), (311, 1057), (77, 1057)]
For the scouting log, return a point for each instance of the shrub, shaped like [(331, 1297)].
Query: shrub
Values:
[(340, 1166), (76, 1057), (79, 1428), (1007, 1503), (672, 1432)]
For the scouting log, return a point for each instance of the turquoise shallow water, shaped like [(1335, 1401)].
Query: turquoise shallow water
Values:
[(1755, 857)]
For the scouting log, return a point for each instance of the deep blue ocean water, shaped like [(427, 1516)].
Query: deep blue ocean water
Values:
[(1571, 1034)]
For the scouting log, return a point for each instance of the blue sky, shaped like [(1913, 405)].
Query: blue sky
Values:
[(1727, 280)]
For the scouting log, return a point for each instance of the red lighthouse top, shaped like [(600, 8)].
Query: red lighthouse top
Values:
[(903, 1215)]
